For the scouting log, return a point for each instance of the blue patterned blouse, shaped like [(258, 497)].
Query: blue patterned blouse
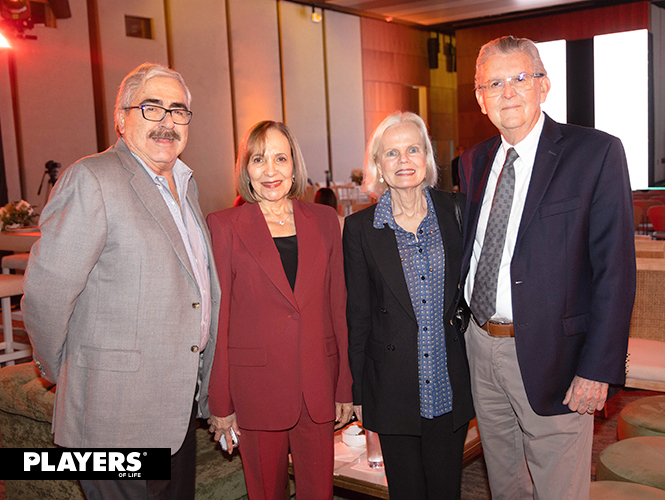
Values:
[(424, 266)]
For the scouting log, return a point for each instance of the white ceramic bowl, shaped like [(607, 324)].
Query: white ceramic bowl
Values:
[(353, 436)]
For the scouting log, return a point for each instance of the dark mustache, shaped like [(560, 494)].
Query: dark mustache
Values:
[(164, 133)]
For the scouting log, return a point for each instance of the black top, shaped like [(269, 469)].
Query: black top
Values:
[(288, 251)]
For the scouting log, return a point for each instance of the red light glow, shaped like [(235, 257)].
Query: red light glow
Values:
[(4, 44)]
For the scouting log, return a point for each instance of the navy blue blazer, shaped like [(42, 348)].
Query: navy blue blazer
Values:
[(573, 269), (383, 330)]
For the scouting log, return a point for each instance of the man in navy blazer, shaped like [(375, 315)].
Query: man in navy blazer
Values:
[(564, 292)]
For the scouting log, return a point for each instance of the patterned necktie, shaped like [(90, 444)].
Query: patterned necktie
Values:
[(483, 298)]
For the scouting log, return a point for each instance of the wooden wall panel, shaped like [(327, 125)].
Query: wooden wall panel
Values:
[(304, 86), (395, 63), (473, 126), (7, 131), (382, 99), (442, 117), (55, 101), (257, 79), (344, 75), (121, 53), (657, 28), (210, 150)]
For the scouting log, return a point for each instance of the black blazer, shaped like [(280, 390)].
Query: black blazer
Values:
[(383, 331), (573, 269)]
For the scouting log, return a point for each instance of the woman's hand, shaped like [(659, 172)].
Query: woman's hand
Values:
[(343, 412), (221, 426), (358, 410)]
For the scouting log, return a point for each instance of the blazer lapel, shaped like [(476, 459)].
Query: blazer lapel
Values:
[(192, 199), (253, 231), (482, 164), (154, 203), (311, 250), (383, 245), (545, 163), (449, 233)]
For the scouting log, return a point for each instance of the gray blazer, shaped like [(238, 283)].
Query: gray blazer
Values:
[(111, 308)]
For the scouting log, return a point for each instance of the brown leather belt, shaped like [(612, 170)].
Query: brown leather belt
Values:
[(501, 330)]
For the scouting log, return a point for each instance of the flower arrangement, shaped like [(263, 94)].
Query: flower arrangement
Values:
[(17, 214), (357, 176)]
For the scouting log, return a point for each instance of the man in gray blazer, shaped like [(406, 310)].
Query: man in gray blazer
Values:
[(121, 292)]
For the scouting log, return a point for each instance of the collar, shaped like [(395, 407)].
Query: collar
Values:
[(527, 147), (180, 170), (383, 214)]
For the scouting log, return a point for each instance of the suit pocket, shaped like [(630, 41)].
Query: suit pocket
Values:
[(114, 360), (575, 325), (560, 207), (331, 346), (240, 356)]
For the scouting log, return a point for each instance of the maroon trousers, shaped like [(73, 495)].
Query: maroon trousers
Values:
[(265, 460)]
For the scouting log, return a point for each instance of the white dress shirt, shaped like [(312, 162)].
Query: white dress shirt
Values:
[(191, 233), (523, 166)]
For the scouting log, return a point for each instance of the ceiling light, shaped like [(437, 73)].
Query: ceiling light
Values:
[(316, 17)]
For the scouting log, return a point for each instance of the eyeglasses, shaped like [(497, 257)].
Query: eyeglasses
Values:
[(519, 83), (157, 113)]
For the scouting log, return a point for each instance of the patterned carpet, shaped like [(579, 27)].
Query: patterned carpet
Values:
[(474, 476)]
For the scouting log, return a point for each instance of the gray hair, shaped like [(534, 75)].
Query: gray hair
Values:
[(508, 45), (371, 176), (133, 82), (254, 143)]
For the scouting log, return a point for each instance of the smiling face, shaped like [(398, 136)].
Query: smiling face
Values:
[(271, 170), (401, 156), (513, 113), (158, 144)]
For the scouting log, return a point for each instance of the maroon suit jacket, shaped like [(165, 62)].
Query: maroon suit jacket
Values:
[(275, 345)]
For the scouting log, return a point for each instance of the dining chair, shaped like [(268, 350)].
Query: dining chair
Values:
[(645, 226), (10, 286), (656, 215), (637, 214), (17, 261)]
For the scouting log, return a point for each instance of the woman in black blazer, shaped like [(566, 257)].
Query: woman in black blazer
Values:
[(408, 360)]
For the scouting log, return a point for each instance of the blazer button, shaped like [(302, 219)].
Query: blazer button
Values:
[(196, 305), (383, 311), (195, 348), (390, 347), (296, 316)]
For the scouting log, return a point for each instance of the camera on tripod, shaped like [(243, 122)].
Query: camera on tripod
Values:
[(52, 172)]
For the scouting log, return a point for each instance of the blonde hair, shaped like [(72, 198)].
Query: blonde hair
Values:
[(371, 175), (254, 143)]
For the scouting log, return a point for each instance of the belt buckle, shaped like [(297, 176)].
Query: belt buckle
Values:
[(498, 322)]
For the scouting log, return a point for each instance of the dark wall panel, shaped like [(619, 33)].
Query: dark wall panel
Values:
[(579, 85)]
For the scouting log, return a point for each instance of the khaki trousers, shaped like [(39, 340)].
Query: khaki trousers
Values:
[(528, 456)]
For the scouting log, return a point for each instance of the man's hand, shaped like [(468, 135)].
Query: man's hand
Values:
[(586, 396), (221, 426), (343, 412)]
